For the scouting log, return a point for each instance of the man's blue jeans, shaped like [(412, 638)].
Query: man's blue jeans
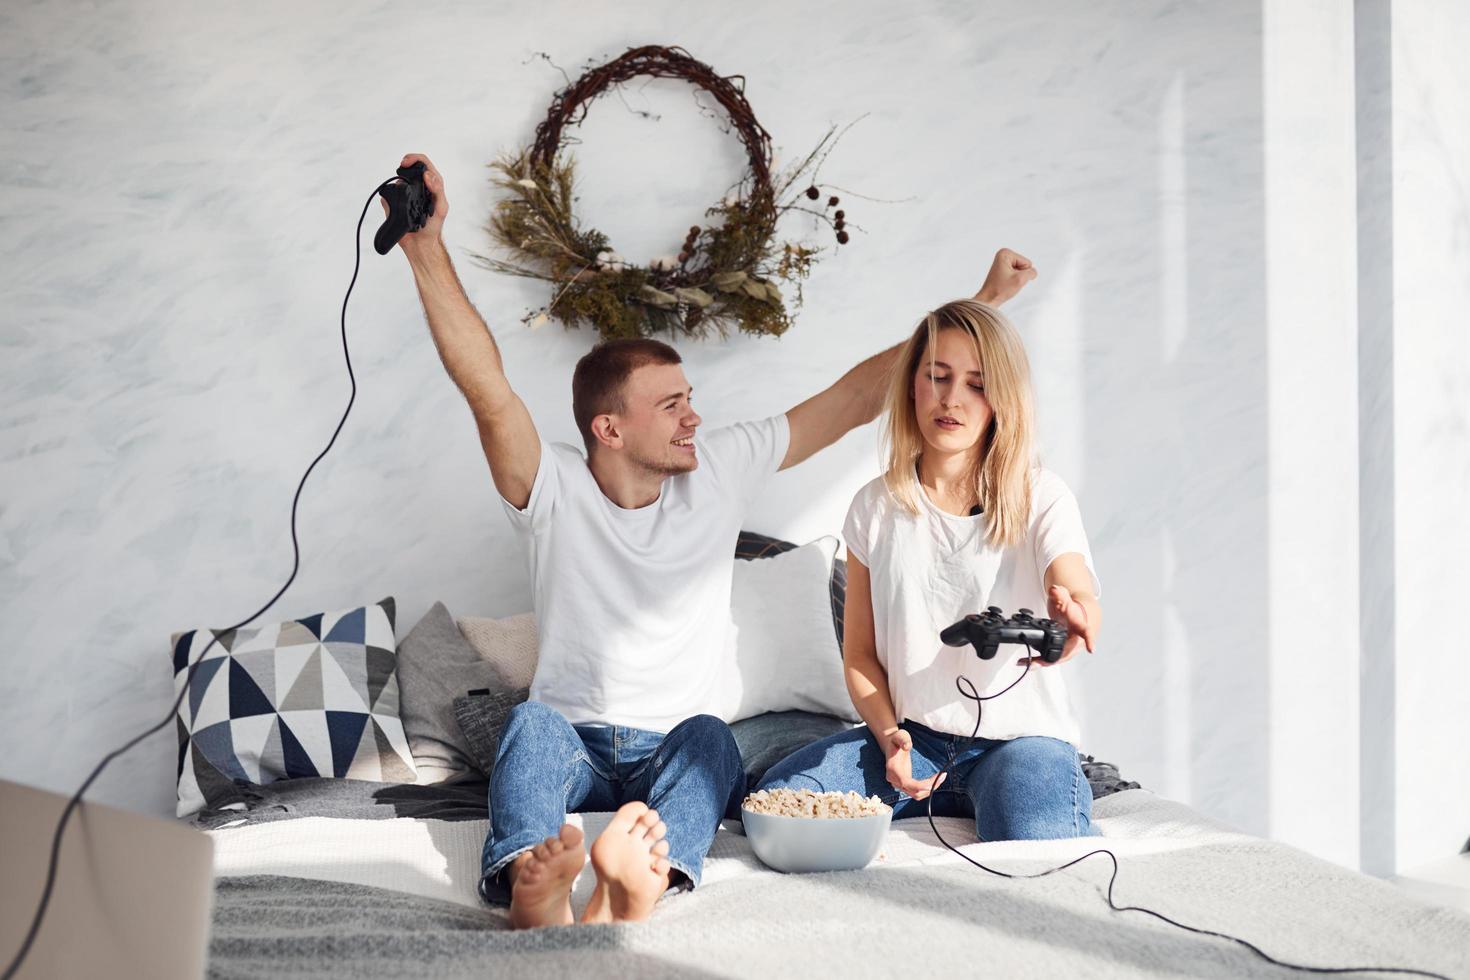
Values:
[(546, 768), (1029, 788)]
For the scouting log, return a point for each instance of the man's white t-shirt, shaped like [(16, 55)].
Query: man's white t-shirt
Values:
[(929, 571), (633, 605)]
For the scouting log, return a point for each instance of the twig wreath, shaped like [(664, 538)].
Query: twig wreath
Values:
[(723, 275)]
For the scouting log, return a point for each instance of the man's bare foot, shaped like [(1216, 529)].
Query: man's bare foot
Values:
[(541, 886), (632, 865)]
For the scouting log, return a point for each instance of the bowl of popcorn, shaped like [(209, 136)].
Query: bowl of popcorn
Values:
[(798, 830)]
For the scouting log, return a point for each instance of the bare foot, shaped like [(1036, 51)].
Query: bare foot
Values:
[(632, 865), (541, 888)]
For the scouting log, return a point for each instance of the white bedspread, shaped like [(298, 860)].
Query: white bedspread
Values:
[(441, 859), (1173, 860)]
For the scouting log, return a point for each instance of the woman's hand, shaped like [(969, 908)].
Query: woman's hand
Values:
[(900, 772), (1008, 273), (1064, 609)]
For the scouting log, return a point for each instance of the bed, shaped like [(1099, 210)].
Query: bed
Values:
[(333, 878), (374, 876)]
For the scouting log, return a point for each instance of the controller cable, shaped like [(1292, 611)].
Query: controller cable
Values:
[(975, 696), (76, 798)]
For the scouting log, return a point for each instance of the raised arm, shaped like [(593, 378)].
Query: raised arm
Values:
[(468, 352), (857, 397), (830, 414)]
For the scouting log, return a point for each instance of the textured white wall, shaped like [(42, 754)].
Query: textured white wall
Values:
[(1413, 97), (182, 184), (1312, 400), (1431, 427)]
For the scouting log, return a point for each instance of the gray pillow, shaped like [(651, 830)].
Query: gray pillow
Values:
[(436, 664), (765, 740), (481, 715)]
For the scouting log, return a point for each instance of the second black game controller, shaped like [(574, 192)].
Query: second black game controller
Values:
[(410, 205), (988, 630)]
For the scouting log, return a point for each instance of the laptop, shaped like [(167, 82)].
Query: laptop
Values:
[(132, 897)]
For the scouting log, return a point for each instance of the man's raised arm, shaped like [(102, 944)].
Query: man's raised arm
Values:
[(468, 352), (857, 397)]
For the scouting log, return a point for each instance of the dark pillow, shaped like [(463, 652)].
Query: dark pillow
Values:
[(1103, 777), (481, 715), (751, 545)]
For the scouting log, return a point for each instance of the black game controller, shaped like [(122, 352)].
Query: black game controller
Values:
[(988, 630), (410, 204)]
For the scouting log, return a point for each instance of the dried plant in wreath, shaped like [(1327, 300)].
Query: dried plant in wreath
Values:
[(725, 273)]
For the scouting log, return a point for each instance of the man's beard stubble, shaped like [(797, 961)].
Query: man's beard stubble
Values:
[(665, 467)]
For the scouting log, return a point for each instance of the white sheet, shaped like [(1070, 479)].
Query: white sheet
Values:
[(441, 859)]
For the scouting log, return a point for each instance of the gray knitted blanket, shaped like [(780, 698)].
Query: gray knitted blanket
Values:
[(922, 912)]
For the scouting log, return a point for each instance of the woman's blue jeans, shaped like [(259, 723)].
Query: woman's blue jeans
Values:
[(1029, 788), (546, 768)]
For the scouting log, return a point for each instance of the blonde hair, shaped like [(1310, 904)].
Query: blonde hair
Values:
[(1001, 479)]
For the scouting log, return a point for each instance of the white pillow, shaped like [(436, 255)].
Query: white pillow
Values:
[(786, 652)]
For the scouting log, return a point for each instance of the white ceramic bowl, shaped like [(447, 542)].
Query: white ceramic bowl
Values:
[(797, 844)]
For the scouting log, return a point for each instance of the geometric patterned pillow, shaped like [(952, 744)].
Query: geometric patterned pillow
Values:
[(308, 697)]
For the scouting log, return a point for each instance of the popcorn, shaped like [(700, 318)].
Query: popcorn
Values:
[(805, 803)]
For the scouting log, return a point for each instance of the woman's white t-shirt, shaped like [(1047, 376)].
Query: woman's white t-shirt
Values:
[(929, 571)]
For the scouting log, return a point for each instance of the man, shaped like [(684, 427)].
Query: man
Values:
[(632, 558)]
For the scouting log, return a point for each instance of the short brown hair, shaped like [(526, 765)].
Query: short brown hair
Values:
[(597, 382)]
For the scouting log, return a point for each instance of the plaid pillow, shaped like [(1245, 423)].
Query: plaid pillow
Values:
[(307, 697), (751, 546)]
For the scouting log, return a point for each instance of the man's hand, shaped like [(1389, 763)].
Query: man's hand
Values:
[(430, 233), (900, 770), (1008, 273), (1062, 608)]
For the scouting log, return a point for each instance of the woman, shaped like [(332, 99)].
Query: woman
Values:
[(963, 518)]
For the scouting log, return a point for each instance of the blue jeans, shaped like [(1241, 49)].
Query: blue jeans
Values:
[(1029, 788), (546, 768)]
